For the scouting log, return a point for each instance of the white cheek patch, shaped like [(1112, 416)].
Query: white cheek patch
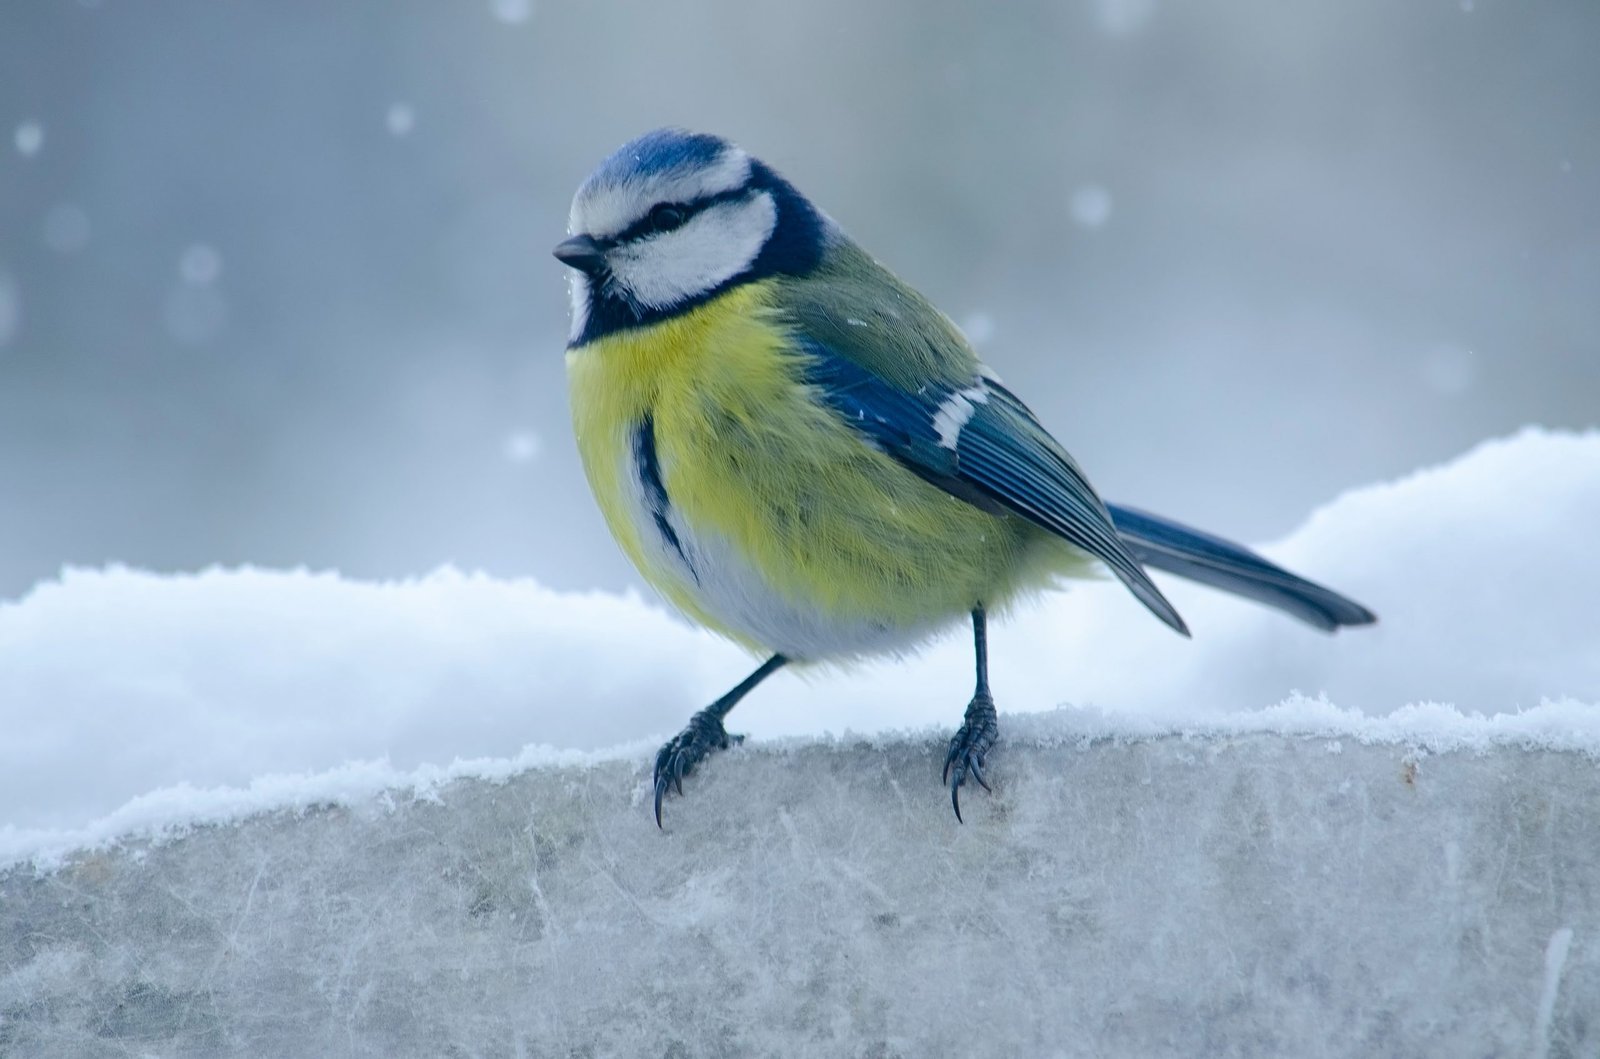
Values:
[(956, 411), (578, 291), (715, 245), (605, 211)]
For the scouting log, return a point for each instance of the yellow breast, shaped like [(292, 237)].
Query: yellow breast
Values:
[(669, 373), (799, 536)]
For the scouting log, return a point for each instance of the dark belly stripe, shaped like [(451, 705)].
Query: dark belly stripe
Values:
[(648, 466)]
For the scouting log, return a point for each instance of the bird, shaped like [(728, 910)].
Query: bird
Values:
[(800, 452)]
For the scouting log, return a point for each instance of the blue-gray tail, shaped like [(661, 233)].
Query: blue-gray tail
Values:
[(1171, 546)]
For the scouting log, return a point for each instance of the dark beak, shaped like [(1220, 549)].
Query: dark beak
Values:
[(582, 253)]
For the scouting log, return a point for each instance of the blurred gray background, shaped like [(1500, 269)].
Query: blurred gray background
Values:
[(275, 283)]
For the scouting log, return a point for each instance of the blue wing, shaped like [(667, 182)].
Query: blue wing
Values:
[(1000, 458), (983, 445)]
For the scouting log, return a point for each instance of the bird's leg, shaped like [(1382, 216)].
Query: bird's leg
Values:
[(979, 729), (703, 734)]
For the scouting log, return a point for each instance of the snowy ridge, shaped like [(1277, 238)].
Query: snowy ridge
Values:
[(1433, 728), (1428, 728), (172, 812)]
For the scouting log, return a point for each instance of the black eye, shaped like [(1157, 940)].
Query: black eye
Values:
[(664, 217)]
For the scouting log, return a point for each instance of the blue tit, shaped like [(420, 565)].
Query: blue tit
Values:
[(799, 451)]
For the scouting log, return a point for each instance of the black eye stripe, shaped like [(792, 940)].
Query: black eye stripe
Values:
[(646, 225)]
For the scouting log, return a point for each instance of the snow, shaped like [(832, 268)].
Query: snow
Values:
[(200, 264), (400, 120), (1122, 18), (29, 137), (135, 703), (511, 12), (522, 446), (1091, 205), (255, 812)]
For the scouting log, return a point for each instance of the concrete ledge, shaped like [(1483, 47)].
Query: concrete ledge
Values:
[(1218, 896)]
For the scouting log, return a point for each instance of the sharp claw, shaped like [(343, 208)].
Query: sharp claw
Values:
[(977, 774), (951, 757), (977, 734), (683, 752)]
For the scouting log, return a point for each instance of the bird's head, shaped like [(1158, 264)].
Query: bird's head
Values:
[(671, 220)]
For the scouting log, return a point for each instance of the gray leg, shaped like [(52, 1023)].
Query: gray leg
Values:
[(704, 734), (979, 729)]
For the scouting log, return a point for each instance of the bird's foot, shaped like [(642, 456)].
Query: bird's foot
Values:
[(978, 732), (703, 735)]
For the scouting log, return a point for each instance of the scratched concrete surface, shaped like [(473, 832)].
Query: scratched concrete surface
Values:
[(1254, 896)]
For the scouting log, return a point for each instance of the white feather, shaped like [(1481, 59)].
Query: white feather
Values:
[(715, 245), (955, 412), (578, 291), (743, 599)]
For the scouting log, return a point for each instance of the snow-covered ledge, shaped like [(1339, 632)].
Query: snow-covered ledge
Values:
[(256, 812), (1220, 892)]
